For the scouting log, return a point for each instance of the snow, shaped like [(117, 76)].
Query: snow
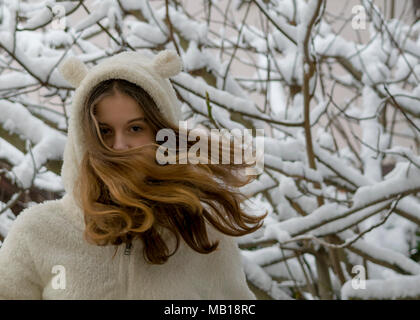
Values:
[(281, 23), (45, 180), (274, 231), (48, 143), (353, 191), (191, 30), (389, 256), (292, 168), (219, 97), (57, 38), (402, 179), (6, 220), (338, 216), (262, 280), (333, 45), (253, 37), (39, 14), (42, 17), (395, 288), (27, 52), (350, 174), (372, 131), (404, 98), (306, 14), (411, 206), (318, 110), (403, 69), (193, 57), (132, 4), (277, 95), (290, 66), (15, 80), (101, 11), (325, 139), (147, 32), (395, 235), (263, 182), (288, 149)]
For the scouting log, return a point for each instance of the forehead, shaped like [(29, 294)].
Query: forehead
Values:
[(117, 106)]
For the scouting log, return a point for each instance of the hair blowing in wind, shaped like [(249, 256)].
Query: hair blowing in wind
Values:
[(127, 195)]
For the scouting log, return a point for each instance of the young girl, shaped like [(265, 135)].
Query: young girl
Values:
[(175, 222)]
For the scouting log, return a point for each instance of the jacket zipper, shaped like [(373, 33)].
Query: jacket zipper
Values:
[(127, 250), (126, 276)]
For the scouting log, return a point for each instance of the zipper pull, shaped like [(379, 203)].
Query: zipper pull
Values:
[(127, 250)]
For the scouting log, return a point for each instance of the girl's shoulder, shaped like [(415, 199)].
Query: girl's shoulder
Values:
[(38, 217)]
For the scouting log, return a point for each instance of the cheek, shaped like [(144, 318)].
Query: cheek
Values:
[(144, 139)]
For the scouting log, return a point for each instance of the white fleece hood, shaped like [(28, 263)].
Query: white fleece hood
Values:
[(149, 72)]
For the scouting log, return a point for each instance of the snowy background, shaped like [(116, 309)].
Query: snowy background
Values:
[(334, 85)]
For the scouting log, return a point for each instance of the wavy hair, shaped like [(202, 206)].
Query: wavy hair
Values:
[(128, 194)]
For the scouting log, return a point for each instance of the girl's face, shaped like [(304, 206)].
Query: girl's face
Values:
[(122, 123)]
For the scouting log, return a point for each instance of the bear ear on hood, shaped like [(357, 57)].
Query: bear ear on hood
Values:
[(73, 70), (167, 63)]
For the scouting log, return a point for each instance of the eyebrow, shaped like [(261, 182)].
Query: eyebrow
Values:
[(132, 120)]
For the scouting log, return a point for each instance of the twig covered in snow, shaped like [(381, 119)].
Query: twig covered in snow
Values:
[(342, 171)]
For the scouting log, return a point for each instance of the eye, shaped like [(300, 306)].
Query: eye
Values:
[(136, 128), (104, 131)]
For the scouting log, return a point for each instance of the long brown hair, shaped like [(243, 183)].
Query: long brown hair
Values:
[(127, 195)]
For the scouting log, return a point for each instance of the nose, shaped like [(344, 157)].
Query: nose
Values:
[(119, 142)]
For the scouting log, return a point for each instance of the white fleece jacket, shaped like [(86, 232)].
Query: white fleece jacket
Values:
[(44, 255)]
